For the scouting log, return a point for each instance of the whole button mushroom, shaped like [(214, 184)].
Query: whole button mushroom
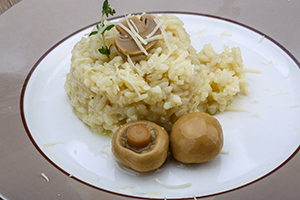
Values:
[(142, 145), (145, 26), (196, 138)]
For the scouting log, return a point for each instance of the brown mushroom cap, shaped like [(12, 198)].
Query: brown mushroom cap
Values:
[(196, 138), (147, 159), (145, 25)]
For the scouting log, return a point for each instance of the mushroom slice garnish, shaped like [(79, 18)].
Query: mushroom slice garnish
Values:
[(133, 32)]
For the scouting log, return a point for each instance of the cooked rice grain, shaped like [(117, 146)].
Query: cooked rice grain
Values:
[(171, 81)]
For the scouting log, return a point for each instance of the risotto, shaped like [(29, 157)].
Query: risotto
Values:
[(172, 80)]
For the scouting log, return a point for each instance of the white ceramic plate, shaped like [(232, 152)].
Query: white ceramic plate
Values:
[(256, 145)]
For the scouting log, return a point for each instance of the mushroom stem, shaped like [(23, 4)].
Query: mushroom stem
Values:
[(138, 136)]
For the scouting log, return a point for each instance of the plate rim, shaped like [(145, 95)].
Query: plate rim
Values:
[(25, 84)]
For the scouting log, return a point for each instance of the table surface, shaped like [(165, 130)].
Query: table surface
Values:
[(29, 28), (6, 4)]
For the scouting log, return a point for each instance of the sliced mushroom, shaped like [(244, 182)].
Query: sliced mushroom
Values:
[(196, 138), (142, 145), (124, 42)]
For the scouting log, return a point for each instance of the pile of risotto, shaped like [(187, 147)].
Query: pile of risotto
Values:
[(172, 80)]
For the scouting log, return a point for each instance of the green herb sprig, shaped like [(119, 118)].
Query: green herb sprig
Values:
[(106, 10)]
